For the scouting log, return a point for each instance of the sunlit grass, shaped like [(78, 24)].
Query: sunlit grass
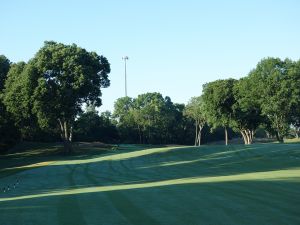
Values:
[(119, 156), (292, 140), (290, 175)]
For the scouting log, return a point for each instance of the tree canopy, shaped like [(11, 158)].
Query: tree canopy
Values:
[(46, 96), (276, 82), (55, 83), (218, 101), (195, 110)]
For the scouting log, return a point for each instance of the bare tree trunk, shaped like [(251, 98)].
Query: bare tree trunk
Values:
[(200, 134), (247, 136), (199, 138), (196, 132), (244, 136), (251, 136), (297, 132), (71, 134), (226, 136), (66, 135), (140, 134), (279, 137), (268, 135), (61, 129)]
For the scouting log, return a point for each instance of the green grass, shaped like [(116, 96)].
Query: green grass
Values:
[(140, 185), (293, 140)]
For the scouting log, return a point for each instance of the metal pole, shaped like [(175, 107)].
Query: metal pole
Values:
[(125, 58)]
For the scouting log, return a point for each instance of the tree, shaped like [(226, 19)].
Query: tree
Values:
[(195, 110), (92, 127), (4, 68), (278, 93), (218, 101), (8, 132), (149, 118), (155, 117), (246, 115), (123, 114), (294, 85), (16, 97), (58, 81)]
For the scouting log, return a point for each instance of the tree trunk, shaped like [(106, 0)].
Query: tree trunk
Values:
[(279, 137), (268, 135), (196, 133), (68, 147), (199, 138), (248, 137), (140, 134), (226, 136), (71, 134), (244, 136), (199, 134), (66, 135), (297, 132)]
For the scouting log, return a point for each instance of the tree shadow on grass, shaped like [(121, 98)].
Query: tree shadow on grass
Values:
[(227, 202), (152, 165)]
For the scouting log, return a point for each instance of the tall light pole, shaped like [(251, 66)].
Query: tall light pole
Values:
[(125, 58)]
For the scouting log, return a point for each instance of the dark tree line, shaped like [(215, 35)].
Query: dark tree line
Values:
[(151, 118), (268, 97), (42, 100)]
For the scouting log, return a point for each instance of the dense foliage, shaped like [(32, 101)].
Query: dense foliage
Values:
[(49, 91), (269, 97), (43, 100), (151, 118)]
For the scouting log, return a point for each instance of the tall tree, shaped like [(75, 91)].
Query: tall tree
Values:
[(276, 89), (59, 80), (294, 85), (123, 114), (218, 100), (156, 116), (195, 110), (4, 68), (149, 118), (16, 98), (89, 126), (8, 132), (246, 109)]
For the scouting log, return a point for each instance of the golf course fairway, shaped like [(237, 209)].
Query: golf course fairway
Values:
[(176, 185)]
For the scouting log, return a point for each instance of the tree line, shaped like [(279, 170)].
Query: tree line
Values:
[(268, 97), (44, 99)]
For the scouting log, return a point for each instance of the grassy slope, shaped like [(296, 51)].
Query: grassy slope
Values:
[(258, 184)]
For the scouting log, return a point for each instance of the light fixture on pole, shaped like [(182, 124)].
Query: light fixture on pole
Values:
[(125, 58)]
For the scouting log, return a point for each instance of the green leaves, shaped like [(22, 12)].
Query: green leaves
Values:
[(150, 118), (218, 101), (195, 109), (276, 81), (54, 85), (4, 68)]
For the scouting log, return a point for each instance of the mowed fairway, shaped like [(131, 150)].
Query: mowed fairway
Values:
[(257, 184)]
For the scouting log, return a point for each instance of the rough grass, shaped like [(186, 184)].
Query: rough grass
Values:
[(257, 184)]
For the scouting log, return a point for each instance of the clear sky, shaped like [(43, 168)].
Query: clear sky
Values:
[(174, 47)]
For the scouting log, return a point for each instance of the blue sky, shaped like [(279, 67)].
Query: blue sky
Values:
[(174, 47)]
